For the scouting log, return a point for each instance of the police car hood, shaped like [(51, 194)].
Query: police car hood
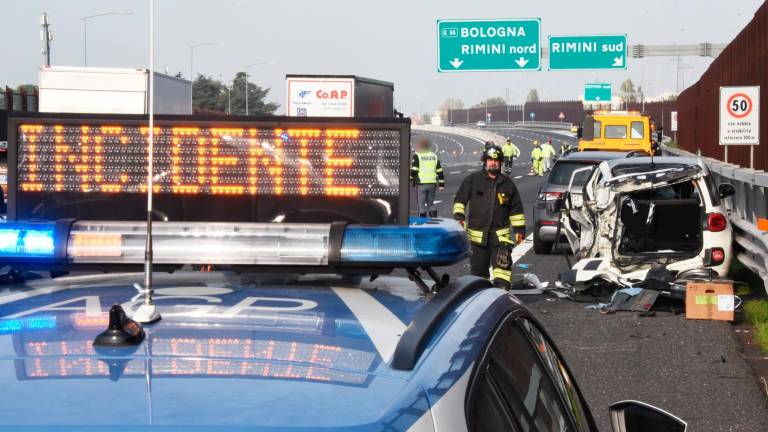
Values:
[(229, 353)]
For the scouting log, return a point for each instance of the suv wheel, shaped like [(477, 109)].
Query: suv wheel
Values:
[(541, 247)]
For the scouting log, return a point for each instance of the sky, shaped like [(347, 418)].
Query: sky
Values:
[(392, 41)]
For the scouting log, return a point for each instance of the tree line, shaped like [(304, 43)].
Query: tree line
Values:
[(212, 96)]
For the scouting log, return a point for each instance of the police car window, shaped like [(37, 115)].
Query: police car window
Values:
[(616, 131), (637, 130), (560, 375), (488, 412), (513, 368), (598, 129)]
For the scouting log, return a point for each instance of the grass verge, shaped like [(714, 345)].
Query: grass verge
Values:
[(756, 313), (761, 336)]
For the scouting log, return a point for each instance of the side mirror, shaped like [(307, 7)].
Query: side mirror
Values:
[(634, 416), (579, 132), (725, 190)]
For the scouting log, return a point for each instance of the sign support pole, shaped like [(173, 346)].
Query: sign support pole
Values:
[(725, 158)]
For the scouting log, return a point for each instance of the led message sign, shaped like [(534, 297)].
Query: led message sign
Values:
[(61, 161)]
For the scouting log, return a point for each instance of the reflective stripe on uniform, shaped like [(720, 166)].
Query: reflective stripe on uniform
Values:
[(517, 220), (458, 208), (475, 236), (503, 235), (502, 274)]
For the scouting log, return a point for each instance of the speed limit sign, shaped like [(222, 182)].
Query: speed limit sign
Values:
[(740, 115)]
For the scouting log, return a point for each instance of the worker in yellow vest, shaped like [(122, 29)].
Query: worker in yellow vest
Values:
[(427, 176), (537, 159), (510, 152), (549, 154)]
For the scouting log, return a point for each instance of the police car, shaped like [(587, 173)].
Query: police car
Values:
[(237, 351), (300, 327)]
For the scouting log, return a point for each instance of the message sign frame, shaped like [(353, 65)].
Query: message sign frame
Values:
[(15, 119)]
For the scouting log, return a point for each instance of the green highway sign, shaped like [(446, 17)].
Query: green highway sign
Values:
[(587, 52), (488, 45), (597, 92)]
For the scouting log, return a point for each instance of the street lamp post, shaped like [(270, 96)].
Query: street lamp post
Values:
[(85, 30), (246, 82), (191, 71)]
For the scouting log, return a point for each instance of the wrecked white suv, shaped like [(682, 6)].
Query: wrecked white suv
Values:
[(635, 212)]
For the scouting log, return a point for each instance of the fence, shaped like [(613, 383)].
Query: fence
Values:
[(744, 62), (573, 112)]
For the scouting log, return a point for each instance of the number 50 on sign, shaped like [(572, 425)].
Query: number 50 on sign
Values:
[(740, 115)]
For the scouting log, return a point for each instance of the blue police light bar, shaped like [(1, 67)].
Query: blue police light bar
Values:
[(424, 241), (27, 240), (69, 243)]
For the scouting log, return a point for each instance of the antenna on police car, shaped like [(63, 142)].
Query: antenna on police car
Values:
[(147, 313)]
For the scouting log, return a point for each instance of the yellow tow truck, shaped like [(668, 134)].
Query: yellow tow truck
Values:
[(618, 131)]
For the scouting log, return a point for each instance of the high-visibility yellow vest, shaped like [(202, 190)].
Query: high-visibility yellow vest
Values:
[(507, 150), (427, 167), (537, 154)]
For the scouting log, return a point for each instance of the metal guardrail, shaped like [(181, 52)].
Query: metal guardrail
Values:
[(478, 134), (748, 204), (526, 125)]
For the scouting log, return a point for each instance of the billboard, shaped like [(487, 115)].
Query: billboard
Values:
[(320, 97)]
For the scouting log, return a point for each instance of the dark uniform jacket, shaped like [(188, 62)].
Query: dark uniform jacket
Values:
[(494, 205)]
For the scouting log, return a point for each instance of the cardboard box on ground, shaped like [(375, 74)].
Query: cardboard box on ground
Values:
[(709, 301)]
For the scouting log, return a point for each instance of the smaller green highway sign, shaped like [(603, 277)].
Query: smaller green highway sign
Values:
[(488, 45), (587, 52), (597, 92)]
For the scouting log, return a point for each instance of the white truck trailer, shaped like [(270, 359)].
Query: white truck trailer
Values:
[(66, 89)]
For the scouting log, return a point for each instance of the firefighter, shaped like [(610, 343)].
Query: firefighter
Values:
[(488, 144), (510, 152), (564, 147), (496, 222), (427, 176), (537, 159)]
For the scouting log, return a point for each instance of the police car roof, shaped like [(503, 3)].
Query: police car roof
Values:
[(308, 352)]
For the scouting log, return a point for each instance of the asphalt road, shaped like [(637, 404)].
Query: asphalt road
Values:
[(690, 368)]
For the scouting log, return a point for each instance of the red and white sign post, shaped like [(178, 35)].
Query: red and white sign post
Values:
[(740, 118)]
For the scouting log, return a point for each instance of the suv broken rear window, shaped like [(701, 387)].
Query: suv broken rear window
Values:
[(561, 173)]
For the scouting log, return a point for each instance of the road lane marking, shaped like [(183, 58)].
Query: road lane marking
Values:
[(438, 201), (517, 177), (455, 172)]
